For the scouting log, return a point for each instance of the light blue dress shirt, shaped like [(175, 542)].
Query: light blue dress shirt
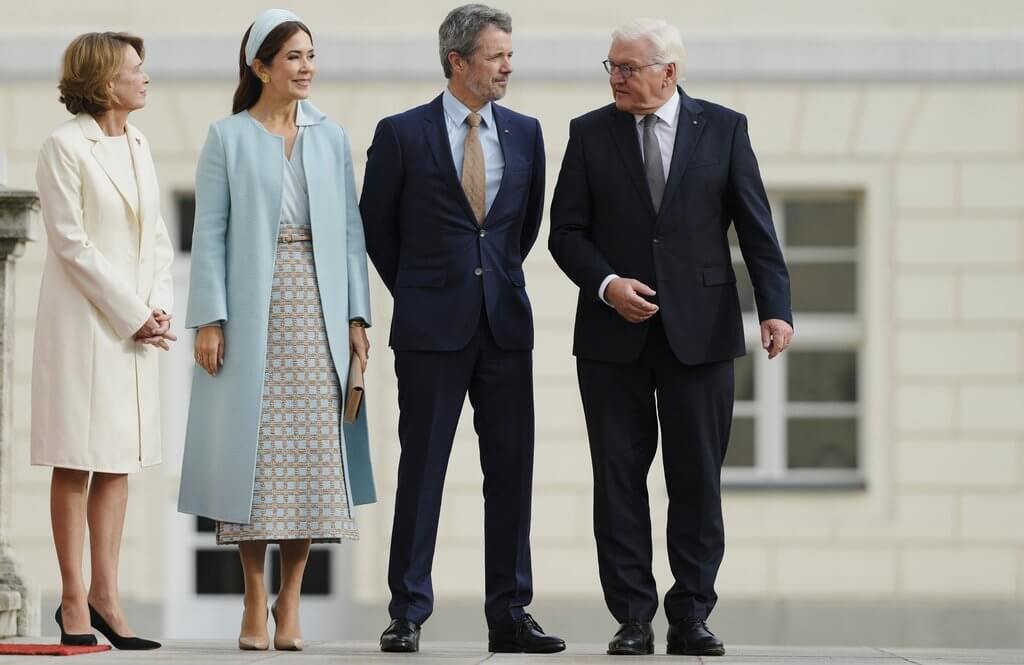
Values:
[(455, 113)]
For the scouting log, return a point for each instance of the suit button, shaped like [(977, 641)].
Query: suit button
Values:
[(478, 272), (482, 233)]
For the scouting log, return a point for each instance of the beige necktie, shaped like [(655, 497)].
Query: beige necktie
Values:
[(474, 176)]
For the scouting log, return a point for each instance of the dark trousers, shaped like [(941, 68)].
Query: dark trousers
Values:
[(432, 388), (623, 404)]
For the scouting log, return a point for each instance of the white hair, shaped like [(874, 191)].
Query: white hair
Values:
[(665, 40)]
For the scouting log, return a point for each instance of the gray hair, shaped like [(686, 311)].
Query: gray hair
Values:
[(665, 40), (462, 26)]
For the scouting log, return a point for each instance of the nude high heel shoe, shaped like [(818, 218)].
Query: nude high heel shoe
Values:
[(250, 643), (285, 643)]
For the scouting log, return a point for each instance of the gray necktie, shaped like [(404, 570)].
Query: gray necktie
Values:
[(653, 168)]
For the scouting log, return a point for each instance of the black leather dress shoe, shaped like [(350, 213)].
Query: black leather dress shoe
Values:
[(402, 636), (524, 635), (634, 638), (691, 637)]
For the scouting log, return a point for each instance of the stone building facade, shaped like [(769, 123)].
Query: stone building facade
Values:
[(876, 482)]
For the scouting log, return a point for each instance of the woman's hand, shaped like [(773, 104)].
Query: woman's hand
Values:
[(150, 328), (156, 331), (359, 343), (209, 350)]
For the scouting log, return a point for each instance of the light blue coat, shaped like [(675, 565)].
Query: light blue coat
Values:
[(239, 184)]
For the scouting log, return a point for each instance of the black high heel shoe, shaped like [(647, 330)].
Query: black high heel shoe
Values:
[(123, 643), (84, 640)]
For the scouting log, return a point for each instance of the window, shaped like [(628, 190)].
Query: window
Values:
[(796, 419), (218, 570), (185, 208), (316, 581)]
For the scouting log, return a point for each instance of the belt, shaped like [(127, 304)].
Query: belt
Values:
[(295, 237)]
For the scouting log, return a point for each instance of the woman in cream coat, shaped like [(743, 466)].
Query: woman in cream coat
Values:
[(104, 310)]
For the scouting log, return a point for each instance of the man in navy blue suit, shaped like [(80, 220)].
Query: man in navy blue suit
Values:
[(452, 203), (648, 189)]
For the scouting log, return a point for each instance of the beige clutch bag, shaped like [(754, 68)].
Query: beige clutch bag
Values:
[(354, 392)]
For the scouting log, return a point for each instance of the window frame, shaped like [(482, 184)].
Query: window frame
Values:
[(770, 408)]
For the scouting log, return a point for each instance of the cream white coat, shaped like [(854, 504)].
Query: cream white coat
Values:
[(96, 391)]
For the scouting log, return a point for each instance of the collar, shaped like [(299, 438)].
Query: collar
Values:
[(306, 114), (91, 128), (457, 111), (668, 113)]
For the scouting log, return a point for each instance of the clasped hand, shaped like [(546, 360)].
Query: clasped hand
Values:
[(156, 331)]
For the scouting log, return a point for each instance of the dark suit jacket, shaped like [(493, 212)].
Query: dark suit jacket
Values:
[(603, 222), (422, 237)]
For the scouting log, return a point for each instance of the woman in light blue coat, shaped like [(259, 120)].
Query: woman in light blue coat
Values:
[(280, 298)]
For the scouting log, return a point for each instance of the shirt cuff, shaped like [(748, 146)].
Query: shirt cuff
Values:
[(604, 285)]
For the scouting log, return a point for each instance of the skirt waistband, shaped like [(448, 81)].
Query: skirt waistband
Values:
[(295, 235)]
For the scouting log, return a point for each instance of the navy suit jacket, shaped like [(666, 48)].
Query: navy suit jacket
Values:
[(440, 266), (603, 222)]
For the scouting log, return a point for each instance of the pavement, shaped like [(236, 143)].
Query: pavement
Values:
[(463, 653)]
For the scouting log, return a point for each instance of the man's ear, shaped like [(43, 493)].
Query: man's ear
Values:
[(455, 61), (670, 74)]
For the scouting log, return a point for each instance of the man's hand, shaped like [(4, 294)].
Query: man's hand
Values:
[(776, 335), (625, 295)]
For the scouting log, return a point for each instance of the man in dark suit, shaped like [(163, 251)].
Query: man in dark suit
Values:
[(452, 202), (648, 188)]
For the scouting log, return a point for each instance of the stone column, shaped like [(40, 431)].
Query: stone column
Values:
[(19, 606)]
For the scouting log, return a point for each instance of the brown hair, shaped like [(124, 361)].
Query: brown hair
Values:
[(91, 61), (249, 85)]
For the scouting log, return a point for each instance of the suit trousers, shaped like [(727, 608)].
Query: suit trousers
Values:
[(623, 404), (432, 387)]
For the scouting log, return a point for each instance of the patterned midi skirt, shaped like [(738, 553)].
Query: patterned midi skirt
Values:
[(300, 490)]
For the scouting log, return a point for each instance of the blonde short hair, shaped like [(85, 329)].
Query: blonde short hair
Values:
[(665, 40), (91, 61)]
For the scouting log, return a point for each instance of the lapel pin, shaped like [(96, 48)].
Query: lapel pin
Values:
[(695, 122), (138, 141), (508, 131)]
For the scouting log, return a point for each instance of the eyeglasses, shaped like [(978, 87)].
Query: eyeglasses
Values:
[(625, 70)]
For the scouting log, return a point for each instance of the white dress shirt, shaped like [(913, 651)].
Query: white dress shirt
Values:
[(455, 113), (665, 131)]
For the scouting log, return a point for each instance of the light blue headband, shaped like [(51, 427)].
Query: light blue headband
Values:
[(263, 26)]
